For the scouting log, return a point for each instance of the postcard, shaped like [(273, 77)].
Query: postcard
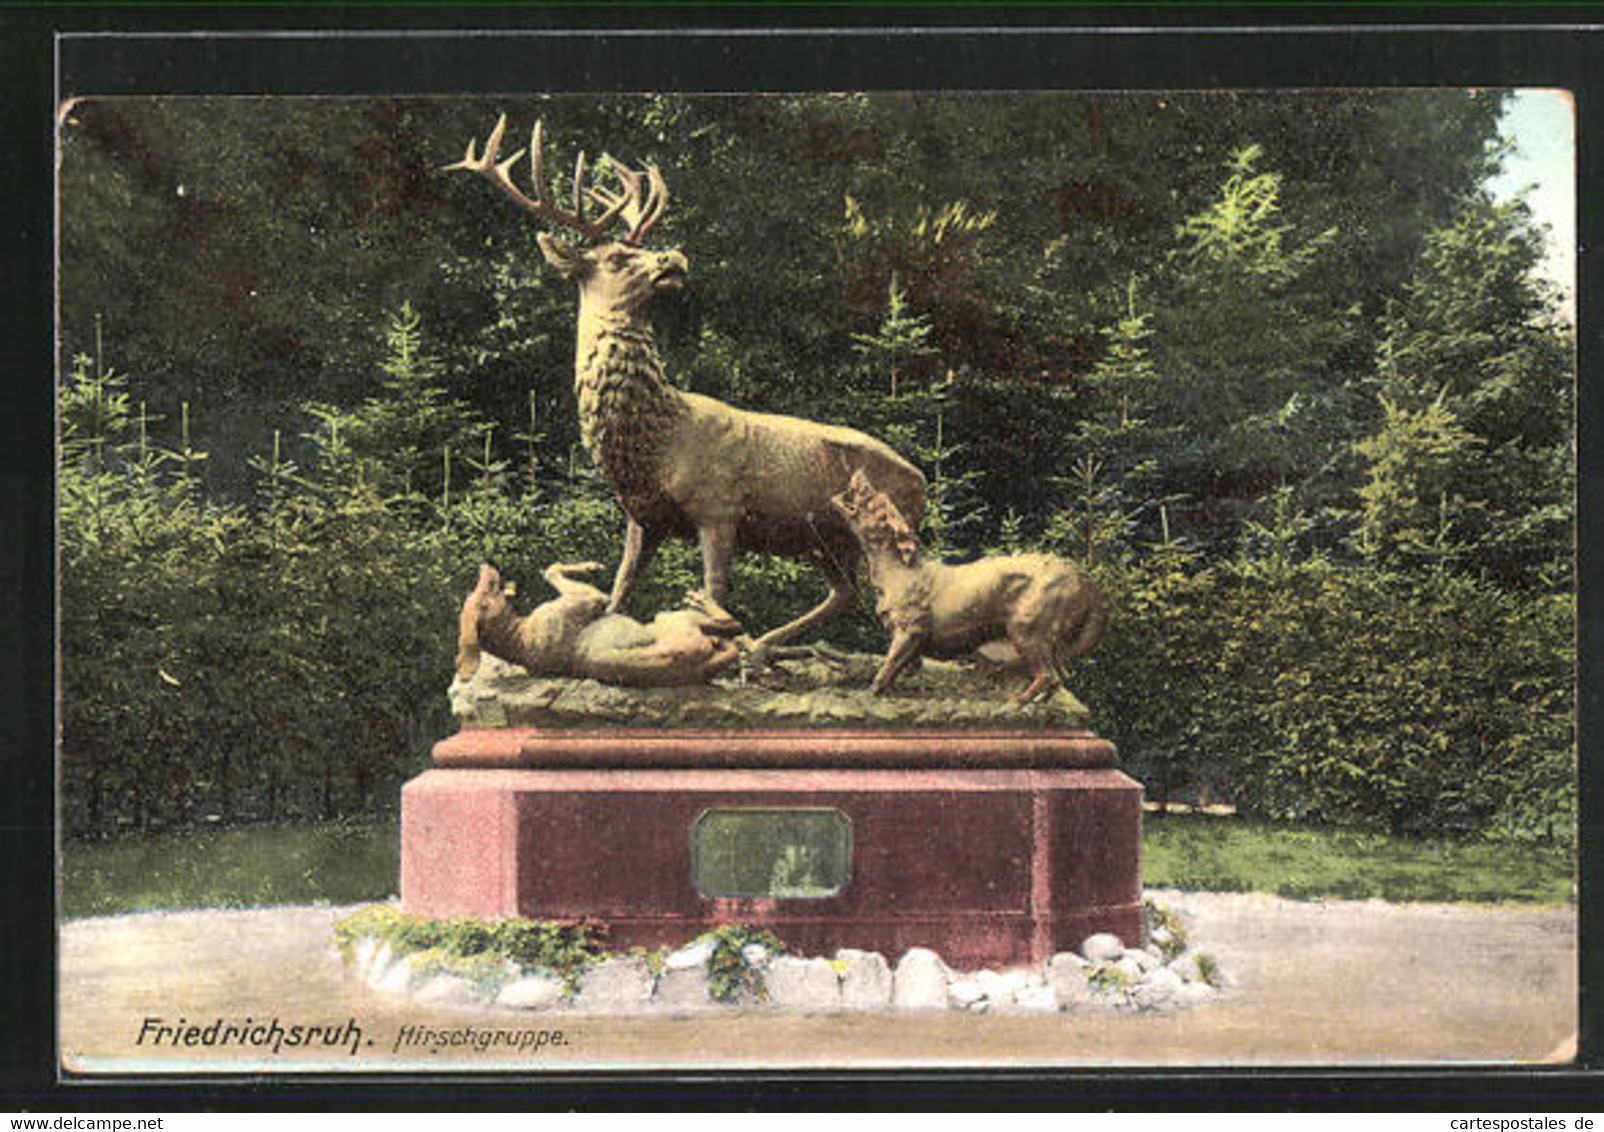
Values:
[(749, 573)]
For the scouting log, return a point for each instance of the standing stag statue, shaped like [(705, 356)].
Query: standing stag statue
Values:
[(680, 464)]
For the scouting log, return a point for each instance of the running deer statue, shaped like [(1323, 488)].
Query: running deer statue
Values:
[(680, 464), (1035, 611)]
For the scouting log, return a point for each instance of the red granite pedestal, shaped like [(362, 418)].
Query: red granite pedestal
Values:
[(992, 849)]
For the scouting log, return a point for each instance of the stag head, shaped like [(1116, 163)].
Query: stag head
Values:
[(614, 274)]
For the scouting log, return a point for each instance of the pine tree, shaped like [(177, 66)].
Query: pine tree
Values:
[(405, 439), (1474, 380), (1248, 345), (916, 418), (1112, 485), (898, 343)]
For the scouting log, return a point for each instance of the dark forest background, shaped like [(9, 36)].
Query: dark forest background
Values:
[(1277, 367)]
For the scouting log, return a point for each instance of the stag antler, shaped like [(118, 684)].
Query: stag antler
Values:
[(639, 206), (640, 210)]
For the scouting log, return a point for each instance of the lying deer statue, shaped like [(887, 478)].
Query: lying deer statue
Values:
[(572, 635), (680, 464), (1037, 610)]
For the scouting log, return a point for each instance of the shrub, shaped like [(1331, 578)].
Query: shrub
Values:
[(287, 659), (563, 948), (1421, 701), (1165, 929), (477, 948), (729, 975)]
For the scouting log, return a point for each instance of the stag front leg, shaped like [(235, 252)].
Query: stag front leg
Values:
[(718, 547), (711, 617), (639, 546)]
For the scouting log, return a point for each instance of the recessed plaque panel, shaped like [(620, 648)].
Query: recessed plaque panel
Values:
[(791, 853)]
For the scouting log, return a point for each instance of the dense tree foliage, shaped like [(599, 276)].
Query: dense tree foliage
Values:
[(1273, 365)]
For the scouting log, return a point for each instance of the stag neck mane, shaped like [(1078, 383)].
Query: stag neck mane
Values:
[(626, 408), (619, 353)]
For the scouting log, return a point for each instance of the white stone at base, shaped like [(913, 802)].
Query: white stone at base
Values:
[(855, 980)]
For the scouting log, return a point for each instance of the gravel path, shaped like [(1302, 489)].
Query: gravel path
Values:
[(1316, 983)]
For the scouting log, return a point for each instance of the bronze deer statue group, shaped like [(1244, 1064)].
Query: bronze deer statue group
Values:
[(682, 465)]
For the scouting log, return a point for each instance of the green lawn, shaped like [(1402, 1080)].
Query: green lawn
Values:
[(1236, 855), (347, 863), (341, 863)]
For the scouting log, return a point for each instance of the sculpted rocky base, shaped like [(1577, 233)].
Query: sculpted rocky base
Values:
[(827, 690)]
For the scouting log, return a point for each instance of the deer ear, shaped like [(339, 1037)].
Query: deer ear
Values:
[(562, 255)]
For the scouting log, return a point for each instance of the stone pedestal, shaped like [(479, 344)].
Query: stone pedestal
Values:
[(991, 848)]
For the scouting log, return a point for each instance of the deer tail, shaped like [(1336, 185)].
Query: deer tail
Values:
[(1087, 633)]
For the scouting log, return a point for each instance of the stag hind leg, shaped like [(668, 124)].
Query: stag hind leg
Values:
[(841, 598), (903, 653)]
